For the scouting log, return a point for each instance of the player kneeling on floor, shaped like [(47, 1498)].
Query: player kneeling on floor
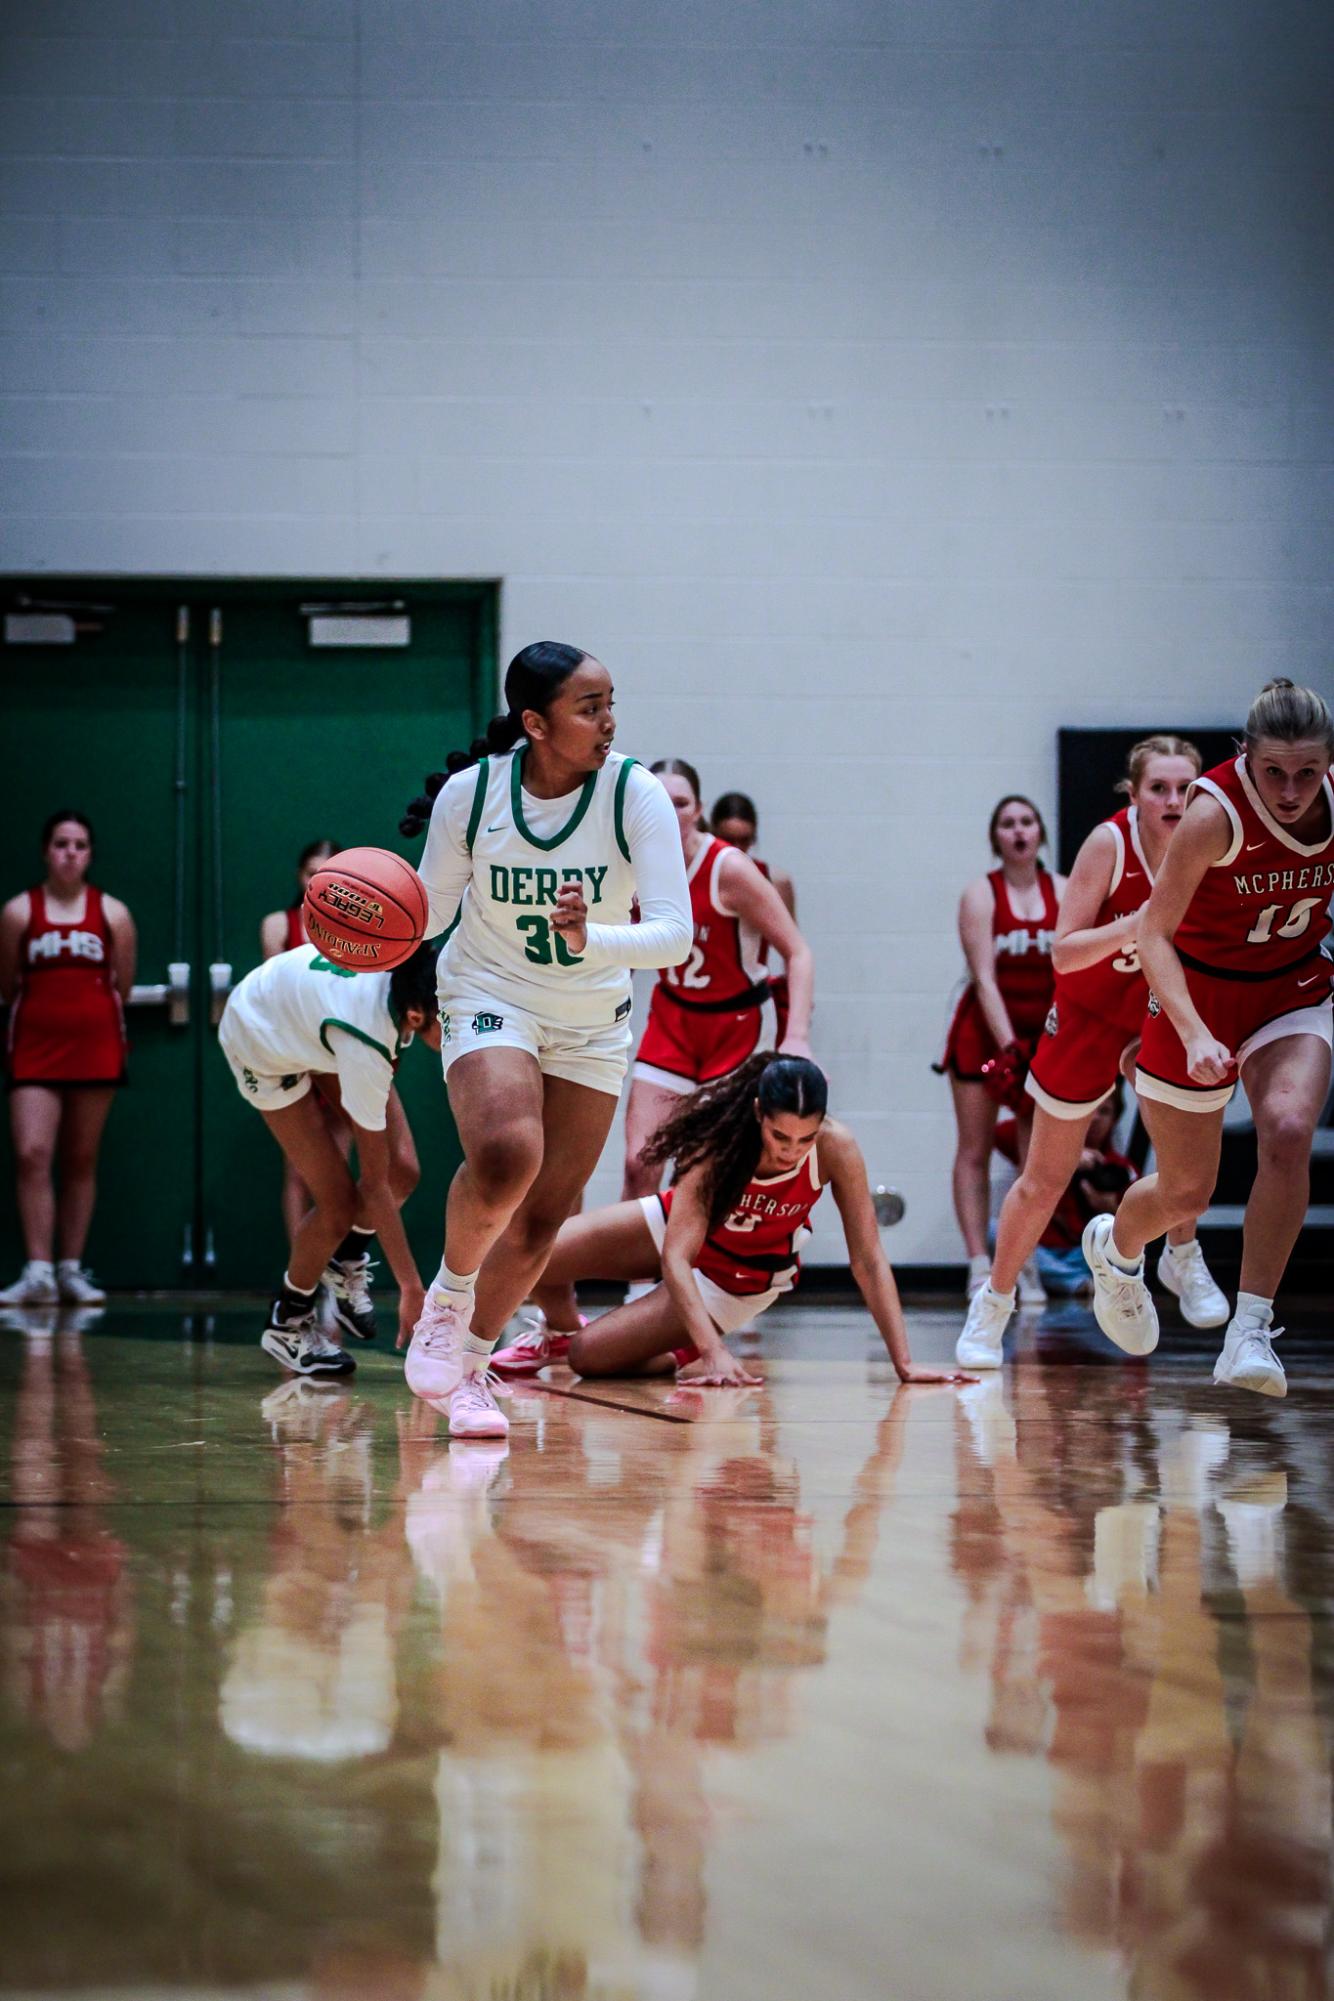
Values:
[(297, 1020), (753, 1154)]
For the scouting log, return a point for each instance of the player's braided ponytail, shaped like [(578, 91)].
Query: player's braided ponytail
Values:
[(717, 1128), (533, 679)]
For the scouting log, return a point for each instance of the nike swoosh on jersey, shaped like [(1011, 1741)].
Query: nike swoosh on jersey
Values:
[(498, 830), (1251, 846), (1311, 981)]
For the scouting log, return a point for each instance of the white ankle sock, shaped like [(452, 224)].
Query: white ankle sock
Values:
[(1001, 1298), (474, 1344), (460, 1284), (1119, 1258), (1254, 1309)]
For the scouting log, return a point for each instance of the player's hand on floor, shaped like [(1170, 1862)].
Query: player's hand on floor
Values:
[(917, 1372), (720, 1372), (570, 918), (411, 1300)]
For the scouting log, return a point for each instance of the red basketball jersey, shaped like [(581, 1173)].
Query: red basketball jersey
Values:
[(1263, 908), (1115, 990), (1023, 946), (65, 1026), (296, 927), (723, 966), (754, 1249)]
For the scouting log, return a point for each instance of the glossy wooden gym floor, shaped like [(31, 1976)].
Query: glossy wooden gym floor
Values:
[(828, 1689)]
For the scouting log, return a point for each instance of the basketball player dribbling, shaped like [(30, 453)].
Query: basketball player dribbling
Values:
[(539, 842)]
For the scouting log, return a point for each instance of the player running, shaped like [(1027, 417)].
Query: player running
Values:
[(1240, 988), (540, 840), (1092, 1027)]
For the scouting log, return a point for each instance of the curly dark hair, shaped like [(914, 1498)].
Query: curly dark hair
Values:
[(716, 1127), (412, 983)]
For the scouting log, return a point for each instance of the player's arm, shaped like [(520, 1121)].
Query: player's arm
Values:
[(273, 934), (364, 1081), (664, 933), (976, 908), (743, 892), (381, 1209), (13, 923), (1201, 840), (446, 864), (1079, 941), (124, 944), (844, 1168), (687, 1227)]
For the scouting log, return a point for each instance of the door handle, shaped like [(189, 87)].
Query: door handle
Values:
[(219, 986), (173, 994)]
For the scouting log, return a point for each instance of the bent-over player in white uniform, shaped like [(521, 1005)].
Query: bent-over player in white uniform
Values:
[(295, 1020), (539, 842)]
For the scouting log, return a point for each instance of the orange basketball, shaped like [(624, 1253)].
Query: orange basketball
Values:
[(366, 909)]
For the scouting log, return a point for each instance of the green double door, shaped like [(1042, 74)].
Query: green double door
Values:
[(209, 739)]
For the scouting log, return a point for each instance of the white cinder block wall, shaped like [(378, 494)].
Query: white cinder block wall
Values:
[(874, 386)]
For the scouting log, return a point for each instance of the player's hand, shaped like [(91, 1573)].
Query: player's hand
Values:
[(570, 917), (795, 1045), (1208, 1060), (411, 1300), (917, 1372), (1003, 1075), (720, 1371)]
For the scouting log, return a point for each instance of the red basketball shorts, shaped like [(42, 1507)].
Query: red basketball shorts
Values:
[(685, 1047), (1245, 1015), (1077, 1061)]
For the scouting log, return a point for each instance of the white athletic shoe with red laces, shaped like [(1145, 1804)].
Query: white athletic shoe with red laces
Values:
[(533, 1348), (433, 1364)]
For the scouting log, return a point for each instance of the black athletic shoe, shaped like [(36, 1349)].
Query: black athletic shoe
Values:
[(348, 1282), (296, 1341)]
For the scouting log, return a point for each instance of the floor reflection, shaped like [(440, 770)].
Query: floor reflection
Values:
[(299, 1696), (1129, 1598), (66, 1606)]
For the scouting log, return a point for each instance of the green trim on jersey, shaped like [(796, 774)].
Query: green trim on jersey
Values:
[(478, 801), (621, 783), (350, 1028), (516, 803)]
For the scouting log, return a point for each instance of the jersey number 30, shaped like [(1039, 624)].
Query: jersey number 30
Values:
[(537, 946)]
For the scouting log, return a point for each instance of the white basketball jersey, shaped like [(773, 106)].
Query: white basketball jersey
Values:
[(502, 945), (283, 1015)]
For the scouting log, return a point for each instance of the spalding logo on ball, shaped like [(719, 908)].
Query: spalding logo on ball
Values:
[(366, 910)]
